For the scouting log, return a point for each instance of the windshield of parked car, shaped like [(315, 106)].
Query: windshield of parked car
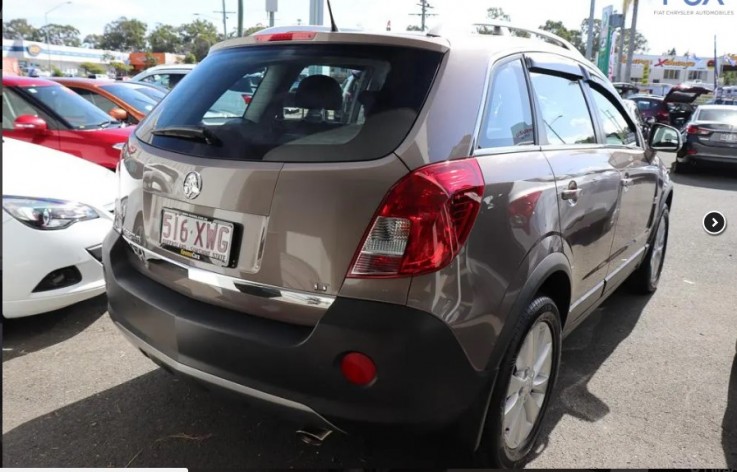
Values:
[(75, 110), (134, 95), (725, 115), (284, 103)]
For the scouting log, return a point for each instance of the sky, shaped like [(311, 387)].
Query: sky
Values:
[(663, 29)]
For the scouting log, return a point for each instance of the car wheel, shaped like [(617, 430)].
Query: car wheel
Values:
[(645, 279), (523, 388)]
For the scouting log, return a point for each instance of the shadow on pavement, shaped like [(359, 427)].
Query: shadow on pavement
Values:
[(729, 425), (23, 336), (708, 176), (584, 352), (159, 420)]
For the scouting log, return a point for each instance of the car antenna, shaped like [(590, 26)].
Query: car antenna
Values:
[(333, 26)]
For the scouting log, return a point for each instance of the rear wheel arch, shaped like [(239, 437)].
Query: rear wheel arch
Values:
[(557, 286)]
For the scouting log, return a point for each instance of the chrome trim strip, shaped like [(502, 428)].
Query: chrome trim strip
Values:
[(239, 285), (585, 296), (627, 263), (219, 381)]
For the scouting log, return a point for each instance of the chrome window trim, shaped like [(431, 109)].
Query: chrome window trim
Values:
[(226, 282)]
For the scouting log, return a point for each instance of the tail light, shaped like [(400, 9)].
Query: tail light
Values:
[(695, 130), (247, 98), (422, 223), (663, 115), (290, 36)]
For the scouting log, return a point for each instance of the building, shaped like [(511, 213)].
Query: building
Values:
[(673, 70), (42, 56)]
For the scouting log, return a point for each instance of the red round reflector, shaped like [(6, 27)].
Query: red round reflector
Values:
[(358, 368)]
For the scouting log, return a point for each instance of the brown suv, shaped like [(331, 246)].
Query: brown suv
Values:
[(410, 259)]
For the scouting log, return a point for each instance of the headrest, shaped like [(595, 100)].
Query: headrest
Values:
[(319, 92)]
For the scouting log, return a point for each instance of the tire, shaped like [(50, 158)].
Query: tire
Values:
[(645, 278), (498, 448)]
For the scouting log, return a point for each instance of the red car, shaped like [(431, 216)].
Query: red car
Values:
[(47, 113)]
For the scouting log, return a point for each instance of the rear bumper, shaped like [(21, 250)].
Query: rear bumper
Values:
[(700, 152), (424, 382)]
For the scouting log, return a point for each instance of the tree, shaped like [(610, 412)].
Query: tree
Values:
[(120, 68), (641, 46), (62, 35), (56, 72), (124, 35), (92, 41), (198, 36), (190, 58), (671, 52), (496, 13), (253, 29), (585, 35), (150, 60), (92, 68), (558, 29), (20, 28), (164, 38)]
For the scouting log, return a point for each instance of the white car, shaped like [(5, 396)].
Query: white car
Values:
[(165, 75), (57, 208)]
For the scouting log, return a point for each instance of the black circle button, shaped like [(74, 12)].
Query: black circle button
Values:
[(714, 223)]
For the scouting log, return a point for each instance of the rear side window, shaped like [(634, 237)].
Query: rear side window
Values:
[(508, 115), (285, 103), (726, 115), (617, 129), (566, 118), (96, 99)]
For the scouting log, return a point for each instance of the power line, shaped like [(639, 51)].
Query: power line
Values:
[(225, 18), (424, 8)]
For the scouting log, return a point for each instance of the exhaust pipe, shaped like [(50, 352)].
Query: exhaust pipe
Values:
[(313, 437)]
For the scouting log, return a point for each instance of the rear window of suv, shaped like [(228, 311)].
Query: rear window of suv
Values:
[(285, 103)]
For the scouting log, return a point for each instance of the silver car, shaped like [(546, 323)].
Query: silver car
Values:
[(410, 261)]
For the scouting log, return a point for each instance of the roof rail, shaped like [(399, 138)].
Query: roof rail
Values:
[(497, 28)]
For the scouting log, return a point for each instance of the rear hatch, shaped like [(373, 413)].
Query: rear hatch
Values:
[(257, 200), (715, 127), (685, 94)]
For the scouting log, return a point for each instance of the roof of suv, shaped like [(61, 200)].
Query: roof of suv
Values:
[(439, 39), (164, 67)]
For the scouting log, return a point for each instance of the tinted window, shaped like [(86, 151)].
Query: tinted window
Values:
[(131, 94), (305, 123), (725, 115), (15, 106), (75, 110), (565, 115), (508, 115), (617, 129), (96, 99)]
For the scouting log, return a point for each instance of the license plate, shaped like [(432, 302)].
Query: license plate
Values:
[(730, 138), (197, 237)]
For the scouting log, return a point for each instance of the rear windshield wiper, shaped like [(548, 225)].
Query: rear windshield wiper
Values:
[(189, 132)]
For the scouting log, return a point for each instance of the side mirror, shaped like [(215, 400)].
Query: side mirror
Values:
[(665, 138), (119, 114), (30, 123)]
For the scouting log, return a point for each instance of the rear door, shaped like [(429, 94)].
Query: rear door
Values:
[(587, 182), (270, 197), (639, 182)]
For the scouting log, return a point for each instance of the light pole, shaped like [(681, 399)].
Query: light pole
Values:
[(590, 38), (46, 24)]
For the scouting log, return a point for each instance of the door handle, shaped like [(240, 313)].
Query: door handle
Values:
[(626, 182), (571, 193)]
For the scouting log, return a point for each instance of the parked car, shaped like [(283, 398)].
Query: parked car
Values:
[(57, 208), (47, 113), (165, 75), (152, 90), (414, 269), (674, 109), (710, 137), (635, 113), (626, 89), (125, 101)]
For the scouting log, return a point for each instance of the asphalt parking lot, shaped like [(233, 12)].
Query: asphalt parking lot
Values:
[(646, 382)]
